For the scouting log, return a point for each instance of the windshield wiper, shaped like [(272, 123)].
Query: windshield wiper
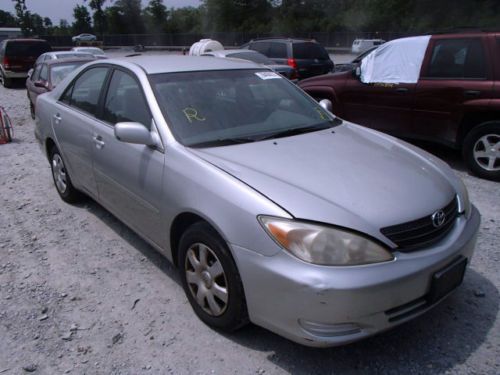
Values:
[(301, 130), (221, 142)]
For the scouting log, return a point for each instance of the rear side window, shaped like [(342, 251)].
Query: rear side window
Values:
[(277, 50), (44, 73), (26, 49), (309, 50), (262, 47), (458, 58), (84, 92), (125, 101)]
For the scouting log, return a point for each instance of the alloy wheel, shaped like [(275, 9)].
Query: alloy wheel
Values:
[(486, 152), (206, 279), (59, 172)]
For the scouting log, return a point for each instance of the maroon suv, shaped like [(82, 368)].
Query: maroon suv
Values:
[(455, 100)]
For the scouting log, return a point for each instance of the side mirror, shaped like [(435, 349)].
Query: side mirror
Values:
[(356, 71), (41, 84), (134, 132), (30, 72), (326, 104)]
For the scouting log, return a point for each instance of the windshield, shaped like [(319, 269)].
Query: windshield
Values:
[(60, 71), (251, 56), (212, 107)]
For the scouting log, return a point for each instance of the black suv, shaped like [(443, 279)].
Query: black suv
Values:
[(307, 56)]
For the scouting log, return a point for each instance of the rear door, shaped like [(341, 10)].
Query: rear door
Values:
[(456, 77), (73, 120), (129, 176)]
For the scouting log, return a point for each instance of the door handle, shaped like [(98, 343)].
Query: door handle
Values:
[(472, 93), (57, 118), (99, 143), (402, 89)]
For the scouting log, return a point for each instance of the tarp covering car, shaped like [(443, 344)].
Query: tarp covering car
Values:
[(397, 61)]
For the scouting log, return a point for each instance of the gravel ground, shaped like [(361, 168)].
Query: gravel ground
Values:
[(81, 293)]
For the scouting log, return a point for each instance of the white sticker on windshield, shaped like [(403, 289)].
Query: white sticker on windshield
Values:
[(267, 75)]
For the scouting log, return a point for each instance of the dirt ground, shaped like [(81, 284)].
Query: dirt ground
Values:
[(80, 293)]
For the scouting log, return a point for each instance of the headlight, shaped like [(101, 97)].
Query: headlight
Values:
[(324, 245), (463, 198)]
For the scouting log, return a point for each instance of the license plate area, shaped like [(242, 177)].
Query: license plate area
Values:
[(447, 279)]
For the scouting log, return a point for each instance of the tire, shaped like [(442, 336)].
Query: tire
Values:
[(32, 110), (481, 150), (6, 82), (61, 178), (213, 279)]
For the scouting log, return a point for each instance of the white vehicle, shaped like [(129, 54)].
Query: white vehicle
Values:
[(84, 38), (361, 45), (95, 51)]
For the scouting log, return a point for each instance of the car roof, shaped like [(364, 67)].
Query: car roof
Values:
[(25, 40), (226, 52), (282, 39), (155, 64), (69, 61)]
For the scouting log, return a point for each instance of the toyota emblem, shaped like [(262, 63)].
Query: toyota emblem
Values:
[(438, 218)]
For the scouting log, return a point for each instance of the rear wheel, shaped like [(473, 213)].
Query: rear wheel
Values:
[(6, 82), (210, 278), (32, 110), (64, 187), (481, 150)]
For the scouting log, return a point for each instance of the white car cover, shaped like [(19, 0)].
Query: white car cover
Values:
[(397, 61)]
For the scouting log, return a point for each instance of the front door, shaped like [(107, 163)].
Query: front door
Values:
[(129, 176), (382, 106), (455, 75)]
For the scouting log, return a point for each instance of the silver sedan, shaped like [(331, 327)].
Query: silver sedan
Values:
[(274, 210)]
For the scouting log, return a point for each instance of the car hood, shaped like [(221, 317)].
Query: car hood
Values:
[(346, 176)]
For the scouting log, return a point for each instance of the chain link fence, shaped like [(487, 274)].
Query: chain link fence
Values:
[(328, 39)]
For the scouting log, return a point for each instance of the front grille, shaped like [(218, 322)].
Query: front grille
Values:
[(422, 232)]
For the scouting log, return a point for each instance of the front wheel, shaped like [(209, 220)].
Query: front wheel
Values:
[(64, 187), (210, 278), (481, 150)]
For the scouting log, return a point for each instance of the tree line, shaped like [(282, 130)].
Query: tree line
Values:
[(283, 17)]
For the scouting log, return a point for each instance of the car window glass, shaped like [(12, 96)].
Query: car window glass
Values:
[(277, 50), (26, 49), (309, 50), (44, 73), (458, 58), (207, 106), (60, 71), (262, 47), (125, 101), (87, 88), (251, 56), (36, 73)]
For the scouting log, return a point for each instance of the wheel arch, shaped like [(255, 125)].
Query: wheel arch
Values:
[(472, 120), (179, 225), (49, 144)]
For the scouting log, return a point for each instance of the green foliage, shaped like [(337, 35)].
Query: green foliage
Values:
[(7, 19), (278, 17), (155, 16), (82, 20)]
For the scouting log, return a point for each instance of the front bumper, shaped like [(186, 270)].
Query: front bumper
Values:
[(326, 306)]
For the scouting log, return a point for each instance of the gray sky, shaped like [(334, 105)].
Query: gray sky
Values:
[(57, 9)]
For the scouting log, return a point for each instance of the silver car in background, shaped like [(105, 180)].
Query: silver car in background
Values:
[(274, 211)]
